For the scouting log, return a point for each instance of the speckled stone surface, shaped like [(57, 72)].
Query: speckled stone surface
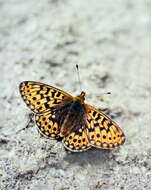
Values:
[(43, 41)]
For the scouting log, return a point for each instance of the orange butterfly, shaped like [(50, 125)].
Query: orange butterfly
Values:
[(58, 114)]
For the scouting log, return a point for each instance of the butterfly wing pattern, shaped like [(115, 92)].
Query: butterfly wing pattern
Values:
[(58, 114), (77, 140), (42, 99), (102, 132)]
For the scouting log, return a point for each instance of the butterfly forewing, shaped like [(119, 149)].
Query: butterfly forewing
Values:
[(40, 97), (102, 132)]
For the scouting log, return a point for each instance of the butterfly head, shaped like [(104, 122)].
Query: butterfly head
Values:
[(80, 98)]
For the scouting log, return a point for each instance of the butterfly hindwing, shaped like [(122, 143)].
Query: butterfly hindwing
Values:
[(50, 122), (47, 124), (40, 97), (102, 131), (77, 140)]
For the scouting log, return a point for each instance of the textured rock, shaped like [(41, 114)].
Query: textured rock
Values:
[(43, 41)]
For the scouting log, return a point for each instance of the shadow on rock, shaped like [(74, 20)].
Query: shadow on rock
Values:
[(91, 157)]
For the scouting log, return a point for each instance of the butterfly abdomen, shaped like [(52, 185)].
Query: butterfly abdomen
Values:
[(70, 122)]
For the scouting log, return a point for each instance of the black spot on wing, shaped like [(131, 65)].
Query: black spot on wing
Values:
[(58, 94), (47, 92), (46, 105)]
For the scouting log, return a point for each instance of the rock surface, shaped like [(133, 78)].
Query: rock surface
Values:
[(43, 41)]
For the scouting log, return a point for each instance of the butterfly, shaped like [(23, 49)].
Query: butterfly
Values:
[(60, 115)]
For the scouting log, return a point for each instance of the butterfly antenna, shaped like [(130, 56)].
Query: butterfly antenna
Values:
[(107, 93), (79, 80)]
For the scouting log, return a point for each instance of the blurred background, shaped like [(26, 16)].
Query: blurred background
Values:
[(43, 41)]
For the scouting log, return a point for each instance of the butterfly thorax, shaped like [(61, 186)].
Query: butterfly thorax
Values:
[(76, 112)]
